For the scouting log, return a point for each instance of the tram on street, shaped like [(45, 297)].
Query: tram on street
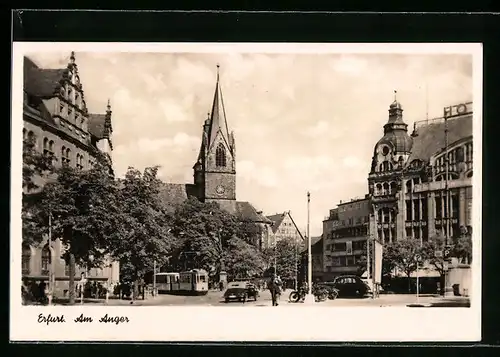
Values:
[(193, 282)]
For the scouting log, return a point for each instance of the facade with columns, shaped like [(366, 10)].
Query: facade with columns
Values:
[(57, 120), (407, 181), (408, 188)]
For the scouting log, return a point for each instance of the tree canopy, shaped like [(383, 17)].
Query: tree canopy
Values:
[(143, 233), (211, 238)]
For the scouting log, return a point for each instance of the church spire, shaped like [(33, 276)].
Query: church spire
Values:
[(217, 118)]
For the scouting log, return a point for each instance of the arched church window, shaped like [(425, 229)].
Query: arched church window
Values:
[(46, 260), (220, 156), (386, 188), (379, 189), (26, 259), (393, 187)]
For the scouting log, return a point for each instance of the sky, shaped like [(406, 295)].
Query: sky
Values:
[(302, 122)]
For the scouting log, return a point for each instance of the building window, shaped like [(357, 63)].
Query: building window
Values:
[(439, 213), (31, 138), (350, 261), (79, 161), (66, 155), (48, 147), (408, 210), (340, 247), (61, 109), (358, 245), (62, 92), (46, 260), (220, 156), (26, 259)]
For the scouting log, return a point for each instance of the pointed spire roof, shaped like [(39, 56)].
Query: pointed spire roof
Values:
[(218, 120)]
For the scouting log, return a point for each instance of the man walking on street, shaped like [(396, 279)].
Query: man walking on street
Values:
[(275, 289)]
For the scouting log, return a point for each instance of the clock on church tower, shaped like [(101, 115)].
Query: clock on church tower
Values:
[(220, 190)]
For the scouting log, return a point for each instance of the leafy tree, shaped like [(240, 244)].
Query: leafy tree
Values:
[(82, 209), (243, 260), (204, 231), (210, 238), (433, 253), (142, 228), (285, 256), (403, 254)]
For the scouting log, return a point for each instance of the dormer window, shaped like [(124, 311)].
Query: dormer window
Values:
[(77, 97), (62, 92), (69, 94), (61, 109)]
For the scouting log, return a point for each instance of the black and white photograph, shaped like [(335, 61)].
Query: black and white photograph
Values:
[(322, 180)]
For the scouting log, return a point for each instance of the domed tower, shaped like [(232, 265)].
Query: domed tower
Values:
[(384, 181)]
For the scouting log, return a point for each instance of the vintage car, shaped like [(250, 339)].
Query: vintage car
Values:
[(240, 291)]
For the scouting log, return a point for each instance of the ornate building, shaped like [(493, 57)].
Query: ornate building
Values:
[(215, 170), (283, 227), (56, 118), (407, 188), (408, 182)]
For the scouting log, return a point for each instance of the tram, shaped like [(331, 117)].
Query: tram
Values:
[(193, 282)]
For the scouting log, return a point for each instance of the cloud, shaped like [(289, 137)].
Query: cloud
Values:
[(262, 175), (349, 65), (352, 162)]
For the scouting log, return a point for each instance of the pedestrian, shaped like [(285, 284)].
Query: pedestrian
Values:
[(275, 285), (221, 285)]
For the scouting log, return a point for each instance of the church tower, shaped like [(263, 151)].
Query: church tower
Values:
[(215, 169)]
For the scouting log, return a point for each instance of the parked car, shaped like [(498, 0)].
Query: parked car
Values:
[(351, 286), (241, 291)]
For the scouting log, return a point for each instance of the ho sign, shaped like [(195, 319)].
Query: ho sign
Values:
[(457, 110)]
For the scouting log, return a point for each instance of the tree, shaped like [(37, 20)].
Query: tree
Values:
[(434, 254), (204, 231), (82, 208), (243, 260), (404, 254), (462, 246), (142, 228), (286, 255)]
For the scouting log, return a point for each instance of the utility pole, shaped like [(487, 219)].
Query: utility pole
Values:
[(154, 278), (447, 206), (309, 297), (52, 277)]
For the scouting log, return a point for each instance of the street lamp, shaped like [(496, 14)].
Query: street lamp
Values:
[(309, 298), (52, 277)]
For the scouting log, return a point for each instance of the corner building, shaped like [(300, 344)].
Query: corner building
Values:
[(56, 117), (407, 188), (407, 180)]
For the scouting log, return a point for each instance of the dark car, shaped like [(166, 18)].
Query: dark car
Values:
[(241, 291), (351, 286)]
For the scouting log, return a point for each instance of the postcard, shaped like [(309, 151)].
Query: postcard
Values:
[(246, 192)]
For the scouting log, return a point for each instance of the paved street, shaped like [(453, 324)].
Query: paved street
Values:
[(214, 298)]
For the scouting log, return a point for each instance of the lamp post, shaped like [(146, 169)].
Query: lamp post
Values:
[(52, 276), (309, 298), (154, 278)]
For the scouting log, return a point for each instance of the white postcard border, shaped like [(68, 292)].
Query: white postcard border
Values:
[(285, 323)]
